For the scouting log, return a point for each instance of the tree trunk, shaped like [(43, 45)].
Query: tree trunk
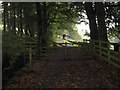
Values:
[(14, 18), (92, 20), (11, 17), (29, 29), (101, 21), (45, 16), (26, 21), (44, 39), (39, 24), (18, 20), (4, 16), (8, 19), (21, 23)]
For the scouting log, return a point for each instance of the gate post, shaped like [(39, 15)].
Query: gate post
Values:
[(65, 50), (93, 47), (30, 57)]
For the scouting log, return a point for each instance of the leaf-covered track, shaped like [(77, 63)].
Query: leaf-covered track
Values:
[(68, 74)]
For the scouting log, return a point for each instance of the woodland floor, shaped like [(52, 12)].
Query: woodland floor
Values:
[(68, 74)]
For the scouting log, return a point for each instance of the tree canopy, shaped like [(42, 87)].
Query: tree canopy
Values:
[(44, 22)]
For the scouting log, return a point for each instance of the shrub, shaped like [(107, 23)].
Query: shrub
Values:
[(12, 47)]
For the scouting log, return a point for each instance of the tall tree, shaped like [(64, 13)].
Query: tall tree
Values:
[(14, 17), (92, 20), (44, 15), (4, 15), (100, 13), (39, 25), (21, 19)]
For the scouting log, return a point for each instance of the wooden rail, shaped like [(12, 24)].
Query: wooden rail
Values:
[(75, 44), (29, 49), (99, 48), (102, 49), (30, 46)]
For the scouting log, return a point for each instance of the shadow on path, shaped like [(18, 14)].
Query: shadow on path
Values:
[(69, 74)]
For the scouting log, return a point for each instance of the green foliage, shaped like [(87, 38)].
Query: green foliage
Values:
[(112, 11), (63, 16), (50, 37), (63, 19), (113, 33), (12, 46)]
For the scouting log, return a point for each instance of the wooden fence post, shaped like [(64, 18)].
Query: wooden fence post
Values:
[(30, 57), (100, 47), (109, 57), (65, 50), (119, 59), (92, 45)]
